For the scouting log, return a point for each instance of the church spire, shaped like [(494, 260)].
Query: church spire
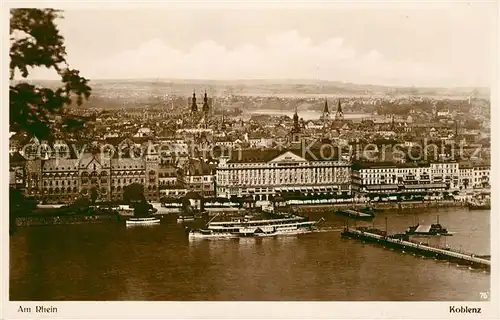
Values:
[(194, 106), (340, 114), (206, 107), (325, 110), (296, 126)]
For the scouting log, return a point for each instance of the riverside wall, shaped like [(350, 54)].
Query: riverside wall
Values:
[(376, 206), (46, 220)]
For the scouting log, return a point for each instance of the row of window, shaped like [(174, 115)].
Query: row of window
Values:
[(280, 181), (72, 168), (103, 173), (167, 174), (274, 165), (269, 170), (85, 191), (96, 181)]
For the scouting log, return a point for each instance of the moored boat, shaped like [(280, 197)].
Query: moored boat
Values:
[(428, 230), (142, 221), (183, 218), (365, 214), (255, 228), (479, 204), (435, 229)]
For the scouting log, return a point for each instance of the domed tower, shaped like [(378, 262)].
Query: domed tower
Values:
[(194, 106)]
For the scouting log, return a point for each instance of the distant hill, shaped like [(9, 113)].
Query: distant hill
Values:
[(137, 90)]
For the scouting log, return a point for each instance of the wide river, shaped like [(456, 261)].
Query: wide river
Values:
[(304, 114), (113, 262)]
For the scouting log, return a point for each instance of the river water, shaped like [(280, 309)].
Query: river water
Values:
[(304, 114), (113, 262)]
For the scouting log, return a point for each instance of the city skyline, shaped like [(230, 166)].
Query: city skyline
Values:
[(431, 47), (238, 152)]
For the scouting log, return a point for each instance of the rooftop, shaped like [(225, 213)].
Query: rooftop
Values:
[(266, 155)]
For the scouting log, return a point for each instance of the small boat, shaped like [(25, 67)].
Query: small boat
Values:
[(428, 230), (49, 206), (435, 229), (142, 221), (185, 218), (355, 214), (368, 210), (268, 208), (477, 204)]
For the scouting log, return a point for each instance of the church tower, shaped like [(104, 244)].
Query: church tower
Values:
[(194, 106), (296, 126), (223, 122), (296, 129), (340, 114), (152, 161), (326, 112), (206, 107)]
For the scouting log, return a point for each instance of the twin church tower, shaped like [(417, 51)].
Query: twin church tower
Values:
[(339, 115), (206, 104)]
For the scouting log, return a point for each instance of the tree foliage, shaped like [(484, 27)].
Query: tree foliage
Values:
[(94, 195), (142, 209), (35, 42), (133, 193), (19, 203)]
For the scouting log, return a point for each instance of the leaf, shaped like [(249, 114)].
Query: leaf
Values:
[(36, 42)]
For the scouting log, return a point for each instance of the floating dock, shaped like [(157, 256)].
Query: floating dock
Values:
[(379, 237)]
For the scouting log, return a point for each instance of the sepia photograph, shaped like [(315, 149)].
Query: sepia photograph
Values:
[(239, 152)]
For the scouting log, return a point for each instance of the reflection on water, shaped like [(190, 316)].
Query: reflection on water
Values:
[(112, 262)]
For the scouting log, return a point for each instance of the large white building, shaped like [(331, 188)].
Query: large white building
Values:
[(395, 178), (474, 175), (267, 173), (447, 173), (482, 176), (406, 178)]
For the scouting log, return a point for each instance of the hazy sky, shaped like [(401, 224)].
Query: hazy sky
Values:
[(445, 45)]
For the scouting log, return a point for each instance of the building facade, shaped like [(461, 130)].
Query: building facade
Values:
[(389, 178), (447, 173), (198, 177), (65, 180), (268, 173), (481, 176)]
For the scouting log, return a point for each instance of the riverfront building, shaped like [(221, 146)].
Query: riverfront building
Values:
[(267, 173), (389, 178), (198, 177), (445, 172), (65, 180), (416, 178), (474, 175)]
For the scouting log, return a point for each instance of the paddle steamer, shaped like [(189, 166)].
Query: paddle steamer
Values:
[(255, 228)]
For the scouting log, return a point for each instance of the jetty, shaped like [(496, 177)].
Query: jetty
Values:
[(402, 243)]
